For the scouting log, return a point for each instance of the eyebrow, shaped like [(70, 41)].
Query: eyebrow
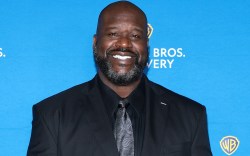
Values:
[(135, 28)]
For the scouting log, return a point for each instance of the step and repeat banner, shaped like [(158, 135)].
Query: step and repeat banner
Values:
[(199, 49)]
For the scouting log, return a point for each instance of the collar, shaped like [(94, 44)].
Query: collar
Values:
[(111, 99)]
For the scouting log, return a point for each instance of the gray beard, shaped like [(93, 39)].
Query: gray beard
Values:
[(121, 79)]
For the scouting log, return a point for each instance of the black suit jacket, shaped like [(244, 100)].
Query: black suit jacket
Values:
[(75, 123)]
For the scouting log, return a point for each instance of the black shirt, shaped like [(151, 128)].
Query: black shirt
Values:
[(135, 109)]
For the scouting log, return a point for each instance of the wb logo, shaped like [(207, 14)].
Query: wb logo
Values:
[(229, 144), (150, 30)]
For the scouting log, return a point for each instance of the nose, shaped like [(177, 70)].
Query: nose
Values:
[(123, 42)]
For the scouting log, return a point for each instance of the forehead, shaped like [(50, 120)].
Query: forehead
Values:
[(122, 15), (123, 19)]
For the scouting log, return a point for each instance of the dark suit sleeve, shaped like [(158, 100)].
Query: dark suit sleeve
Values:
[(43, 141), (201, 145)]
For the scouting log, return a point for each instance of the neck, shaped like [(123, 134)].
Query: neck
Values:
[(122, 91)]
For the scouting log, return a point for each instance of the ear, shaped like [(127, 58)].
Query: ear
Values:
[(94, 41)]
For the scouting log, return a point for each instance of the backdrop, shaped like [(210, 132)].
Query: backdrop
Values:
[(199, 49)]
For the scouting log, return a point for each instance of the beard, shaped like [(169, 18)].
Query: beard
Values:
[(121, 79)]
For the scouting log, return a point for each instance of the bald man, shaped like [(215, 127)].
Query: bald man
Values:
[(119, 112)]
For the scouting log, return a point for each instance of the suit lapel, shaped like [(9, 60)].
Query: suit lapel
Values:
[(155, 122), (99, 122)]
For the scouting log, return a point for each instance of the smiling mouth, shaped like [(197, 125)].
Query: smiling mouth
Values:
[(121, 57), (122, 54)]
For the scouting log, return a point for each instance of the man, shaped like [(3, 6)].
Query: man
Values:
[(119, 112)]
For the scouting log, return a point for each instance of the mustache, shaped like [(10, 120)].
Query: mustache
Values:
[(123, 50)]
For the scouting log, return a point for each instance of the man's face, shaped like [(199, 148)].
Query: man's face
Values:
[(120, 46)]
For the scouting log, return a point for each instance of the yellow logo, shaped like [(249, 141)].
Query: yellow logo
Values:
[(150, 30), (229, 144)]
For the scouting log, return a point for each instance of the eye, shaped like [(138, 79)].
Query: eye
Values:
[(136, 36), (112, 34)]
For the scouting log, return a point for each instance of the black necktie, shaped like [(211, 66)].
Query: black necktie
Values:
[(123, 131)]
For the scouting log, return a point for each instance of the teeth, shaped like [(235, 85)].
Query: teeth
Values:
[(121, 57)]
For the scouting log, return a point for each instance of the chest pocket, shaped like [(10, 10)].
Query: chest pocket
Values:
[(182, 149)]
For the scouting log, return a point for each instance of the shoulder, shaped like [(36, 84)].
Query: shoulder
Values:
[(181, 109), (64, 98), (175, 100)]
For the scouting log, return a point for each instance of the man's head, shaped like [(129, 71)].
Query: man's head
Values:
[(121, 44)]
